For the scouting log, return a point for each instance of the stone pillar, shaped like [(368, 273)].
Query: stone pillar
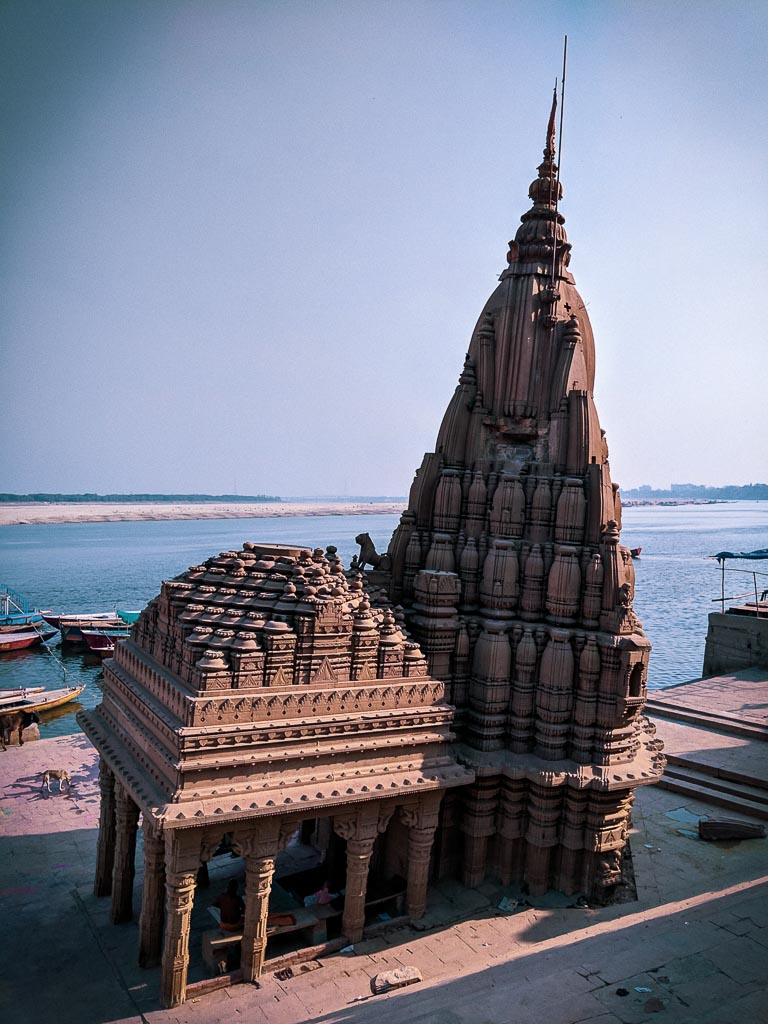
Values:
[(258, 884), (151, 920), (179, 897), (360, 830), (474, 866), (422, 825), (105, 847), (127, 820), (358, 858), (478, 824)]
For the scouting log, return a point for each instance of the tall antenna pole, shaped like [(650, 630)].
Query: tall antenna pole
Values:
[(559, 161)]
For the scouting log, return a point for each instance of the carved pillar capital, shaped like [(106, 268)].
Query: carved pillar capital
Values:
[(262, 841)]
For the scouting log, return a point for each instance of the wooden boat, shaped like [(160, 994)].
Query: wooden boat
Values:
[(102, 641), (24, 638), (45, 700), (71, 626), (16, 615), (14, 696)]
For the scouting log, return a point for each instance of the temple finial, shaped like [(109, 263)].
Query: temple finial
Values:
[(550, 147)]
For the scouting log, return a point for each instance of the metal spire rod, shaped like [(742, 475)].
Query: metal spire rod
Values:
[(559, 160)]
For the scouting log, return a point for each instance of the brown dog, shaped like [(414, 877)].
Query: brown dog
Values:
[(61, 775)]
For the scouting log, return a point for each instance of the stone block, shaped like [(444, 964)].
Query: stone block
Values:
[(388, 981)]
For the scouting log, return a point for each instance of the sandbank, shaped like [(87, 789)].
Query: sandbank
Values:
[(39, 513)]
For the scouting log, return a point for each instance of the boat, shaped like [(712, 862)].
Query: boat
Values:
[(12, 696), (22, 638), (102, 641), (129, 617), (45, 700), (72, 626), (635, 552), (16, 615)]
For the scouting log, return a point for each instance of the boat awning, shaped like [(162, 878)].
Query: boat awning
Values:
[(752, 555)]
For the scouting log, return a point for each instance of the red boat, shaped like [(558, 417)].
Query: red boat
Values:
[(102, 641), (24, 638), (635, 552)]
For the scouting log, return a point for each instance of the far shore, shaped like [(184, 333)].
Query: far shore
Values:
[(37, 513)]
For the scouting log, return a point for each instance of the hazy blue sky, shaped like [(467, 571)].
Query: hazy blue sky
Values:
[(244, 245)]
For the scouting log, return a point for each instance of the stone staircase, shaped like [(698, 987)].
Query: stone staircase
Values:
[(715, 735), (720, 721), (730, 790)]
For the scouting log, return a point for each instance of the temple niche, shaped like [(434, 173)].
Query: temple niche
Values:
[(468, 703), (508, 563)]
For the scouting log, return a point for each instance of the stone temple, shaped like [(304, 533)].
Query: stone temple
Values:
[(469, 707)]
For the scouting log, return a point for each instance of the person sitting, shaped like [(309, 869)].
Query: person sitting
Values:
[(231, 907)]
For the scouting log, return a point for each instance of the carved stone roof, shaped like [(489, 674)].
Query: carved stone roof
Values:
[(265, 681)]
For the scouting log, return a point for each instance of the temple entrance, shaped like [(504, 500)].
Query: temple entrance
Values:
[(307, 897)]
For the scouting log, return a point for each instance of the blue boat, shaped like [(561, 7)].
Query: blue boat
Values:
[(20, 625), (16, 615)]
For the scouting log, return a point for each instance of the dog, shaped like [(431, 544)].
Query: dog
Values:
[(16, 722), (59, 774)]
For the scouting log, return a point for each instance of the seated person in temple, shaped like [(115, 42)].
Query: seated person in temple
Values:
[(232, 908)]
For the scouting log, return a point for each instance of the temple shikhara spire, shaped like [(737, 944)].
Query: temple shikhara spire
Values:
[(508, 563), (469, 707)]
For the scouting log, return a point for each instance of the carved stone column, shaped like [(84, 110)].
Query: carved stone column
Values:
[(151, 920), (179, 897), (258, 884), (360, 831), (422, 825), (105, 847), (358, 858), (127, 820)]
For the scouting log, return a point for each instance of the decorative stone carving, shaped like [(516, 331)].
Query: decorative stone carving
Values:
[(180, 891), (368, 554)]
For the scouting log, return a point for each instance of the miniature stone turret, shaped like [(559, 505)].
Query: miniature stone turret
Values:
[(516, 513)]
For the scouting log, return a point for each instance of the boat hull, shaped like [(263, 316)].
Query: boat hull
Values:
[(47, 700), (102, 641), (19, 640), (71, 626)]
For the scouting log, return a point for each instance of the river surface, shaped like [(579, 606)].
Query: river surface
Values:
[(95, 567)]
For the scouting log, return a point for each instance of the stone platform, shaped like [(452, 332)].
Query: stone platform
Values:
[(715, 734), (694, 943)]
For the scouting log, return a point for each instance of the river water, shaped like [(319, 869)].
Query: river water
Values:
[(92, 567)]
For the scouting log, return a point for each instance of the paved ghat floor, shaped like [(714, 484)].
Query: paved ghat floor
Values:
[(693, 949)]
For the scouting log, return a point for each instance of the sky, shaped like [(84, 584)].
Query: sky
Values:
[(244, 245)]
